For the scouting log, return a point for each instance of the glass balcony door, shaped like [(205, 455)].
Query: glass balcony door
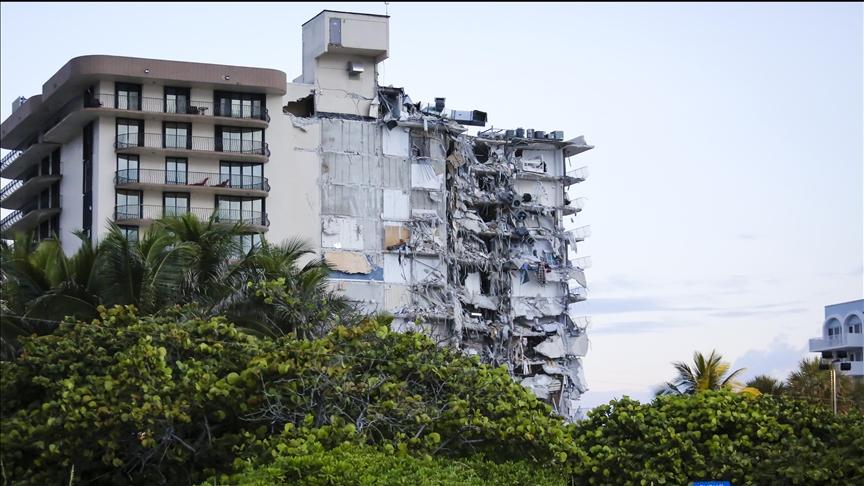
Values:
[(176, 100), (127, 169), (128, 205), (175, 204), (176, 171), (178, 135)]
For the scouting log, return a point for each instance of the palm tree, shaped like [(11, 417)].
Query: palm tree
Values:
[(198, 265), (284, 295), (148, 274), (711, 373), (217, 265), (42, 286), (767, 385), (813, 384)]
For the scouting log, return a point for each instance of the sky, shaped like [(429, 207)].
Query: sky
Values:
[(725, 189)]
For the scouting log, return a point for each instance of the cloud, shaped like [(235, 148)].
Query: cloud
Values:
[(631, 327), (756, 312), (607, 305), (778, 360), (747, 236)]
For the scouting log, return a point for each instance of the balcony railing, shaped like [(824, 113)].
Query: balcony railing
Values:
[(138, 212), (579, 174), (191, 142), (198, 179), (8, 159), (163, 105), (837, 341), (18, 214), (8, 189)]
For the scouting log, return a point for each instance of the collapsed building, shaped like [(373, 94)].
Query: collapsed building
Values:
[(471, 239), (468, 238)]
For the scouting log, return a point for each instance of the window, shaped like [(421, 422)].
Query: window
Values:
[(127, 96), (240, 140), (857, 328), (127, 168), (176, 170), (130, 232), (177, 135), (130, 133), (247, 242), (240, 105), (248, 210), (242, 175), (176, 100), (127, 205), (175, 203)]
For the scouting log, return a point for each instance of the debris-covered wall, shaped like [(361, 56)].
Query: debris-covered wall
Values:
[(462, 237)]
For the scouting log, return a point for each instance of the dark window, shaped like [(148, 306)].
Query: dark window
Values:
[(175, 203), (240, 140), (127, 96), (176, 100), (249, 210), (177, 135), (176, 170), (127, 168), (247, 242), (130, 232), (242, 175), (130, 133), (127, 205), (240, 105), (87, 179)]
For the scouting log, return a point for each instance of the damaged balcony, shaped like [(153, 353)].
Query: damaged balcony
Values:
[(203, 182)]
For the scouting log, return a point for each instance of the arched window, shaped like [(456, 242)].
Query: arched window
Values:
[(833, 328), (853, 324)]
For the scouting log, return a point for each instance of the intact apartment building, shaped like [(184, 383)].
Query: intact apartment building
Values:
[(470, 238), (842, 338)]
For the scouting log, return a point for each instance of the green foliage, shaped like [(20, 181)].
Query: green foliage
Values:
[(128, 400), (719, 435), (355, 465), (124, 400)]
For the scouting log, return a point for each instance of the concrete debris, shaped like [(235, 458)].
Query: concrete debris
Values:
[(463, 237)]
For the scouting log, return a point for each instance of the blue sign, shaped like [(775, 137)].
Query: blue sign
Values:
[(712, 483)]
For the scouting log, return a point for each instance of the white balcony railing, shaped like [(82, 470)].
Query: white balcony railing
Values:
[(837, 341)]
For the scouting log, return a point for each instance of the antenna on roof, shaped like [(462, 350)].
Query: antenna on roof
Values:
[(386, 4)]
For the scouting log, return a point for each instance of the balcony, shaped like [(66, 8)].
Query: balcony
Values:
[(24, 219), (141, 214), (184, 146), (82, 110), (208, 182), (16, 162), (575, 176), (840, 341), (17, 192)]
